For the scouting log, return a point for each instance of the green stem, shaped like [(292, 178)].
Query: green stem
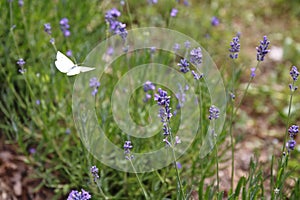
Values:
[(174, 157), (101, 191), (245, 92), (230, 128), (144, 191), (288, 118), (217, 158)]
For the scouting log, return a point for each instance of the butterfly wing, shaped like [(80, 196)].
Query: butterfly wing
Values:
[(77, 69), (85, 69), (63, 63)]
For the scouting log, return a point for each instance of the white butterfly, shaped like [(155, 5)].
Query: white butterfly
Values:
[(65, 65)]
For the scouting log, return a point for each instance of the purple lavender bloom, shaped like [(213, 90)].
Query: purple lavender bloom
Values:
[(94, 84), (148, 85), (52, 41), (186, 2), (187, 44), (215, 21), (21, 3), (174, 12), (232, 96), (38, 102), (110, 51), (177, 140), (64, 26), (121, 30), (21, 62), (178, 164), (116, 27), (290, 145), (112, 15), (196, 56), (165, 126), (176, 47), (69, 53), (47, 28), (32, 150), (253, 69), (162, 98), (152, 1), (235, 48), (214, 113), (94, 170), (152, 50), (94, 92), (293, 131), (196, 76), (64, 22), (147, 97), (127, 147), (262, 49), (66, 33), (184, 65), (68, 131), (294, 73), (76, 195)]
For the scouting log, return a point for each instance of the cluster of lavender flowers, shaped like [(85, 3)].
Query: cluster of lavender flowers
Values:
[(148, 86), (84, 195), (262, 49), (48, 30), (94, 171), (294, 74), (235, 48), (293, 131), (21, 62), (163, 100), (214, 113), (64, 26), (115, 26), (174, 12), (76, 195), (195, 58), (127, 147), (94, 84), (215, 21)]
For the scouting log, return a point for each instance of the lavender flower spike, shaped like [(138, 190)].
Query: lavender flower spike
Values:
[(184, 65), (293, 131), (290, 145), (94, 170), (47, 28), (127, 146), (148, 85), (75, 195), (21, 62), (196, 56), (262, 49), (235, 48), (253, 69), (174, 12), (214, 112), (294, 73)]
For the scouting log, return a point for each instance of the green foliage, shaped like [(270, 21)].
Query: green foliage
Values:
[(61, 160)]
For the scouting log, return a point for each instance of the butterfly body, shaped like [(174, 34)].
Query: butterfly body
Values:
[(65, 65)]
